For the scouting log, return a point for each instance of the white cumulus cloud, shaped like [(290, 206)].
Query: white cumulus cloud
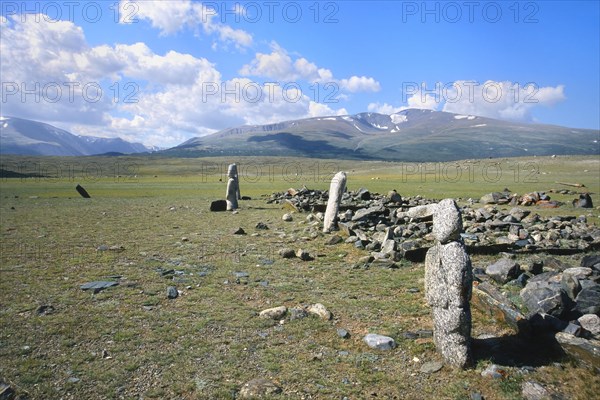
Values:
[(172, 16), (279, 65), (500, 99), (360, 84), (494, 99), (174, 96)]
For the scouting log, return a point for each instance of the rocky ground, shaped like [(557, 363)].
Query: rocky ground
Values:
[(537, 296)]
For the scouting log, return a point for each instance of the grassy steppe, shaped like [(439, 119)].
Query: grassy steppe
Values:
[(132, 342)]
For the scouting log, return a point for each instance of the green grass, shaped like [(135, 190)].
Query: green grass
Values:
[(208, 342)]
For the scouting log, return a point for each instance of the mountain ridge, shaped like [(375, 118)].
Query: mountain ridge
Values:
[(27, 137), (409, 135)]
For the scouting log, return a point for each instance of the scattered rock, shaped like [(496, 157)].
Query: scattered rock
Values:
[(304, 255), (584, 201), (172, 292), (494, 371), (431, 367), (218, 205), (534, 391), (588, 300), (591, 323), (98, 286), (591, 261), (491, 198), (394, 197), (287, 217), (578, 272), (259, 388), (335, 239), (380, 342), (541, 296), (261, 226), (239, 231), (44, 310), (241, 277), (570, 285), (319, 310), (492, 302), (287, 253), (586, 352), (503, 270), (344, 334), (274, 313), (421, 212), (297, 313), (363, 194)]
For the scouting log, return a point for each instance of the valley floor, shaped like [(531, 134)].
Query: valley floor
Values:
[(148, 227)]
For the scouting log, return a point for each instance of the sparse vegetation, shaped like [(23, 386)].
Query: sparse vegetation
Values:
[(130, 341)]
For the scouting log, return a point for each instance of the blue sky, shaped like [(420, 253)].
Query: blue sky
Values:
[(172, 70)]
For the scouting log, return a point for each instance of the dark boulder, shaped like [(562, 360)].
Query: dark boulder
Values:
[(218, 205)]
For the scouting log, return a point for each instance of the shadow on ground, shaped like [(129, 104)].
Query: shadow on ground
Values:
[(534, 350)]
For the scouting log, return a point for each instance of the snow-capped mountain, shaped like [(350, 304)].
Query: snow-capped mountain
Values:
[(26, 137), (409, 135)]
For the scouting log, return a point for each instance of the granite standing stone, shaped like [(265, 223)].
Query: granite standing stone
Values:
[(232, 172), (448, 286), (336, 190), (232, 201)]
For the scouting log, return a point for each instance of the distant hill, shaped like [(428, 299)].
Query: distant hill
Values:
[(26, 137), (409, 135)]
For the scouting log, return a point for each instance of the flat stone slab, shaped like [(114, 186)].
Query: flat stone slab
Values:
[(97, 286), (431, 367), (488, 299), (583, 351)]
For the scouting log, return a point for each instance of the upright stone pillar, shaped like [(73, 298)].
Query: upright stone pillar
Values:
[(232, 200), (336, 190), (232, 172), (233, 188), (448, 286)]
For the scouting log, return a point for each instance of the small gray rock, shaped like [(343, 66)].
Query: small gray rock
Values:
[(261, 226), (259, 388), (172, 292), (304, 255), (541, 296), (570, 284), (503, 270), (534, 391), (493, 371), (297, 313), (588, 300), (273, 313), (572, 329), (591, 323), (287, 217), (431, 367), (335, 239), (320, 311), (394, 196), (344, 334), (287, 253), (380, 342)]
